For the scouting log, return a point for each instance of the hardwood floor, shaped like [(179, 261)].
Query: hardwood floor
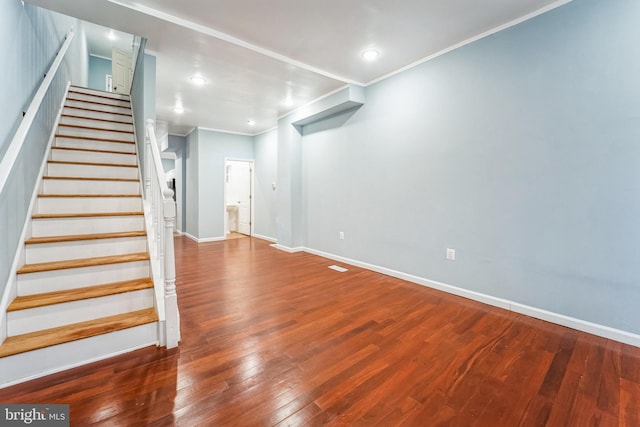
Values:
[(271, 338)]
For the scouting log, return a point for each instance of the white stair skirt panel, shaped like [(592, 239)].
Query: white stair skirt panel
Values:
[(81, 155), (48, 360), (62, 251), (59, 280), (97, 107), (86, 225), (93, 123), (93, 133), (96, 114), (98, 98), (31, 320), (54, 205), (89, 186), (90, 170)]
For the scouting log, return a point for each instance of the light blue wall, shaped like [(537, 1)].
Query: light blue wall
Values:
[(143, 97), (192, 184), (29, 40), (265, 147), (213, 148), (521, 151), (99, 68)]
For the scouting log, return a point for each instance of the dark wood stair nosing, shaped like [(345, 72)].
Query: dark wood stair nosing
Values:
[(97, 111), (105, 96), (88, 138), (86, 215), (91, 150), (88, 178), (118, 165), (96, 103), (71, 116), (84, 237), (66, 125)]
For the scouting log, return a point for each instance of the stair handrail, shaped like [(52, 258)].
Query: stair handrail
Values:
[(15, 146), (159, 199)]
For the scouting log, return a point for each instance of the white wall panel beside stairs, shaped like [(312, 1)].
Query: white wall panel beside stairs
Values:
[(85, 290)]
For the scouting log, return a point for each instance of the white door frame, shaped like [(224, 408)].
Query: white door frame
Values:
[(252, 186)]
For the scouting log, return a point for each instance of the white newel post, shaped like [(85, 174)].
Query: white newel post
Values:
[(172, 327)]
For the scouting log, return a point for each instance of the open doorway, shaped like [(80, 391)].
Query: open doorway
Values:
[(238, 191)]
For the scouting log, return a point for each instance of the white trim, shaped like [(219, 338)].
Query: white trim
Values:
[(11, 155), (265, 131), (205, 240), (251, 192), (288, 249), (100, 56), (223, 131), (10, 290), (227, 38), (538, 313), (471, 40), (268, 239)]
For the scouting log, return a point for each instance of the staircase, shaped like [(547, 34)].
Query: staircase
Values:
[(85, 290)]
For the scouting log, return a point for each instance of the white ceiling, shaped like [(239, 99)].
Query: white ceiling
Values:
[(256, 54)]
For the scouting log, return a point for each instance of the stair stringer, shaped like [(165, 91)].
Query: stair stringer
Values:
[(10, 290)]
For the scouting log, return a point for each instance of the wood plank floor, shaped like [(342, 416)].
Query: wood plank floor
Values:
[(271, 338)]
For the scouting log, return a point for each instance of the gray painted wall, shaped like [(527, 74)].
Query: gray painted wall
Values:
[(99, 68), (520, 151), (29, 40), (192, 184), (213, 148), (265, 147)]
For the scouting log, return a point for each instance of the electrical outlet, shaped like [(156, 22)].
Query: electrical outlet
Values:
[(341, 235), (451, 254)]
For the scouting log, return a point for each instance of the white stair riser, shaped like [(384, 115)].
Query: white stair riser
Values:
[(88, 144), (62, 251), (96, 114), (91, 106), (56, 205), (68, 186), (73, 278), (91, 171), (93, 157), (71, 226), (100, 99), (97, 134), (75, 121), (88, 91), (38, 363), (31, 320)]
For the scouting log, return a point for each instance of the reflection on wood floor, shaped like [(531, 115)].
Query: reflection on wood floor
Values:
[(272, 338)]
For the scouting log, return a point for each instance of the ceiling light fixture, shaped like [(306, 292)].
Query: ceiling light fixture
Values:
[(251, 122), (198, 80), (370, 54), (111, 35), (178, 109)]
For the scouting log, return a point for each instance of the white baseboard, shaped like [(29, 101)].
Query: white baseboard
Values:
[(205, 240), (288, 249), (538, 313), (268, 239)]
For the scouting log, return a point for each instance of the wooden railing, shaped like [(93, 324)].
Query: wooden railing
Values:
[(160, 213)]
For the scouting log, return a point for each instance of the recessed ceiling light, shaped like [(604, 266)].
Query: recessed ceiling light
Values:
[(178, 109), (251, 122), (370, 54), (111, 35), (198, 80), (288, 102)]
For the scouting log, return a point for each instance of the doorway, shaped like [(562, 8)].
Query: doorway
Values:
[(238, 190), (121, 71)]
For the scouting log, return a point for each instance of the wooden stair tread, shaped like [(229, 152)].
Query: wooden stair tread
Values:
[(82, 262), (82, 178), (77, 331), (94, 128), (61, 162), (58, 297), (98, 111), (77, 237), (89, 138), (88, 195), (97, 103), (85, 215), (93, 150), (72, 116), (103, 94)]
